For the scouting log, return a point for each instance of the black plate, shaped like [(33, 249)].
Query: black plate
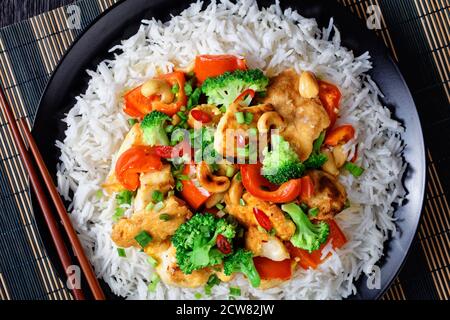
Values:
[(122, 21)]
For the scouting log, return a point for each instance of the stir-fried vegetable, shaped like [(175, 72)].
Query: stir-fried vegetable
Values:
[(313, 259), (194, 195), (195, 242), (281, 164), (316, 159), (224, 89), (308, 236), (153, 128), (134, 161), (355, 170), (136, 105), (208, 65), (257, 185), (242, 261), (340, 135), (330, 96), (269, 269)]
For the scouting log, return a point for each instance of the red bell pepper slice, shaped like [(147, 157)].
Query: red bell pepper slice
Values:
[(339, 135), (312, 260), (134, 161), (254, 182), (194, 196), (307, 188), (207, 65), (269, 269), (137, 105), (330, 96)]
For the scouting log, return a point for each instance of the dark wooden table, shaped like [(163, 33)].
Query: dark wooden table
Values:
[(12, 11)]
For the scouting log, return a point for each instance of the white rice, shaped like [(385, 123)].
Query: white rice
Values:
[(271, 40)]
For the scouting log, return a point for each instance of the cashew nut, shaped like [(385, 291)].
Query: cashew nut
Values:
[(158, 87), (214, 199), (210, 182), (330, 166), (308, 85), (235, 192), (269, 120), (340, 156)]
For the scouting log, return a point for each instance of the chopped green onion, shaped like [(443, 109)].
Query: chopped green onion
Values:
[(153, 283), (229, 171), (212, 281), (132, 122), (182, 115), (157, 196), (121, 252), (171, 193), (223, 109), (143, 239), (234, 291), (242, 202), (150, 206), (118, 213), (183, 177), (318, 142), (194, 97), (164, 217), (240, 117), (219, 206), (175, 88), (152, 261), (248, 116), (158, 206), (355, 170), (124, 197), (253, 132), (169, 128), (313, 212), (179, 186), (99, 194), (239, 176), (187, 89), (198, 295)]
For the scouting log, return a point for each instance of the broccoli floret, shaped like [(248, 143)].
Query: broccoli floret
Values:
[(308, 236), (153, 128), (242, 261), (224, 89), (317, 159), (282, 163), (195, 242)]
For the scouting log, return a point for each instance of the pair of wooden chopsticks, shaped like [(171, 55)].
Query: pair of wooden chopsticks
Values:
[(44, 203)]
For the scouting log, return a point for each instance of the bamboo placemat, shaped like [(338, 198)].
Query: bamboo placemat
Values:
[(416, 31)]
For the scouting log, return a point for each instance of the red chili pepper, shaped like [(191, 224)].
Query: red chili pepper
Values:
[(355, 156), (254, 182), (262, 219), (243, 95), (223, 245), (201, 116)]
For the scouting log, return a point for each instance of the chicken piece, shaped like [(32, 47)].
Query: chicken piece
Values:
[(153, 181), (227, 145), (156, 248), (329, 195), (284, 228), (126, 229), (171, 274), (133, 137), (304, 118), (265, 245)]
